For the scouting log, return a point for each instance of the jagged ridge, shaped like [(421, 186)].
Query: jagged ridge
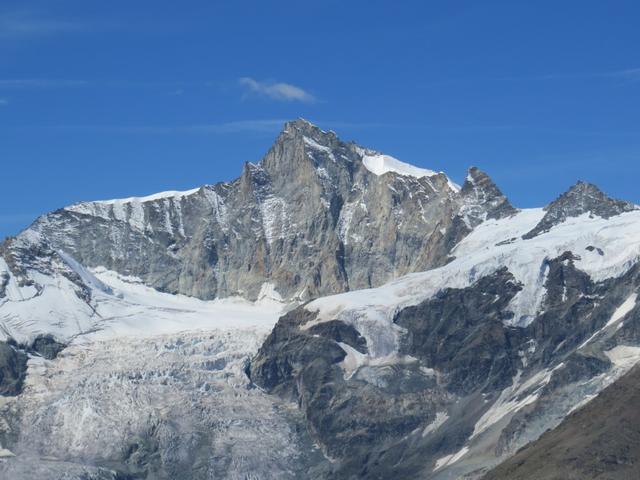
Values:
[(310, 218)]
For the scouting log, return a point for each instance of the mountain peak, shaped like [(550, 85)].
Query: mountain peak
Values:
[(585, 190), (305, 127), (581, 198), (300, 122), (483, 199), (301, 148)]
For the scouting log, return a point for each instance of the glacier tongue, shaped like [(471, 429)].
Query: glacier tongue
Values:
[(168, 406), (151, 384)]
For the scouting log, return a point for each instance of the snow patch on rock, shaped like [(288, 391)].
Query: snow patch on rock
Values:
[(450, 459), (623, 356)]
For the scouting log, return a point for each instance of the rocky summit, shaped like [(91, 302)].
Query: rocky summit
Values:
[(331, 313), (315, 216)]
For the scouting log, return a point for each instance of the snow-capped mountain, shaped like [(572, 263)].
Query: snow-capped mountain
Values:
[(315, 216), (427, 330)]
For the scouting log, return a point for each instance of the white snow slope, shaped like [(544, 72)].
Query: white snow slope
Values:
[(379, 164), (120, 306)]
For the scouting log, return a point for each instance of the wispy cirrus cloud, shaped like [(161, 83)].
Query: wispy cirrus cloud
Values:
[(624, 74), (241, 126), (26, 83), (628, 74), (22, 24), (276, 90), (255, 127)]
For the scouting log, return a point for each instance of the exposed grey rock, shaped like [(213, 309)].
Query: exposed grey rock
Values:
[(367, 423), (46, 346), (309, 218), (462, 334), (482, 199), (570, 339), (4, 281), (13, 368), (32, 252), (580, 199)]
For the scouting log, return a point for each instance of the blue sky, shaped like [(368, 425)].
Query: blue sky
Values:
[(110, 99)]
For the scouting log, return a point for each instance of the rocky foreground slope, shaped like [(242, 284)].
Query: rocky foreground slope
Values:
[(332, 313), (601, 440)]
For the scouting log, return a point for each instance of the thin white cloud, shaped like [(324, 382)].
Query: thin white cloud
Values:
[(628, 74), (23, 24), (242, 126), (256, 127), (25, 83), (276, 90)]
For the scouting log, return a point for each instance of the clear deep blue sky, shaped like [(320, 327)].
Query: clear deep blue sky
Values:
[(109, 99)]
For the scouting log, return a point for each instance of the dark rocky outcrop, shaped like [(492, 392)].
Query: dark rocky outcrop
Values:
[(483, 199), (4, 281), (462, 333), (580, 199), (288, 351), (13, 369), (364, 424), (46, 346), (355, 420)]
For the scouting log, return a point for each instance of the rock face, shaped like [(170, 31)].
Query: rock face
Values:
[(46, 346), (580, 199), (356, 420), (316, 216), (462, 334), (482, 199), (13, 369), (599, 441)]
